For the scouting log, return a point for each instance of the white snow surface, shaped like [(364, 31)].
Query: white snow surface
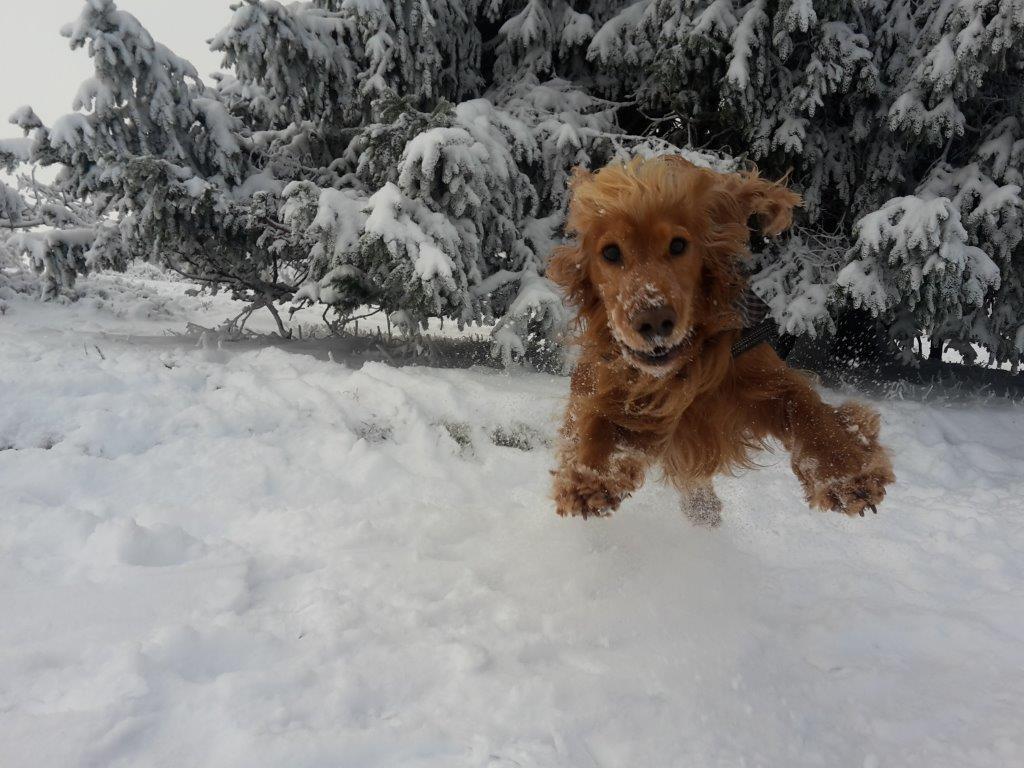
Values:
[(242, 554)]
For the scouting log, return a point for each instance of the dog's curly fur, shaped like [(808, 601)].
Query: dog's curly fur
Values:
[(681, 399)]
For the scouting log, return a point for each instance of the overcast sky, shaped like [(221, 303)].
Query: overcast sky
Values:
[(37, 67)]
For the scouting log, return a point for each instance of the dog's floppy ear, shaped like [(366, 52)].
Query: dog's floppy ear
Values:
[(568, 271), (567, 267), (771, 202)]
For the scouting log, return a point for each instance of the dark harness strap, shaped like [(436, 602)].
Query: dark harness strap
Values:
[(759, 328), (754, 337)]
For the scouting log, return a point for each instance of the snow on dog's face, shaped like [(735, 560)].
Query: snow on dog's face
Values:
[(653, 269)]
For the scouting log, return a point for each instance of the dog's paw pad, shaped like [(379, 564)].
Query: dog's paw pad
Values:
[(860, 492), (857, 495)]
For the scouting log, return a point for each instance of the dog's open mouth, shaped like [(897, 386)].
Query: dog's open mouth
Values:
[(658, 357)]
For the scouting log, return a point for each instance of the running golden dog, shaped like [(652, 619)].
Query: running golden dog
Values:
[(654, 272)]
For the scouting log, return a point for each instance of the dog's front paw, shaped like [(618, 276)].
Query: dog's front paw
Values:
[(854, 477), (582, 491), (579, 492), (853, 495)]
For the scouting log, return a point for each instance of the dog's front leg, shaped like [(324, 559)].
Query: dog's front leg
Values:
[(835, 452), (596, 471), (599, 464)]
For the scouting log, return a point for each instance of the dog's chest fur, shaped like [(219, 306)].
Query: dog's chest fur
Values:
[(700, 434)]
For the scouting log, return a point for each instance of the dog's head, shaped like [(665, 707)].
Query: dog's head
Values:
[(654, 265)]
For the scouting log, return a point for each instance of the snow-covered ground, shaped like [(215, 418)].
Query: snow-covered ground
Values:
[(243, 554)]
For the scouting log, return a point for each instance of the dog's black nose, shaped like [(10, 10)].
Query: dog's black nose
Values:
[(655, 322)]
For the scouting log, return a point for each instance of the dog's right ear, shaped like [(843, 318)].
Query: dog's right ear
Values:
[(567, 267), (568, 270)]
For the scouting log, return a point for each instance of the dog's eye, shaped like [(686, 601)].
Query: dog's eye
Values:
[(677, 246), (612, 254)]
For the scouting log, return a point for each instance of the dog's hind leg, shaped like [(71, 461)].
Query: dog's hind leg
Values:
[(701, 504)]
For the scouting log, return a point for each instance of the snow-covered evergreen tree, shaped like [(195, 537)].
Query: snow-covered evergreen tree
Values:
[(901, 123), (59, 238), (13, 207), (411, 156), (421, 201), (163, 166), (358, 153)]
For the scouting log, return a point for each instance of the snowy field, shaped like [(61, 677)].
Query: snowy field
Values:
[(242, 554)]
